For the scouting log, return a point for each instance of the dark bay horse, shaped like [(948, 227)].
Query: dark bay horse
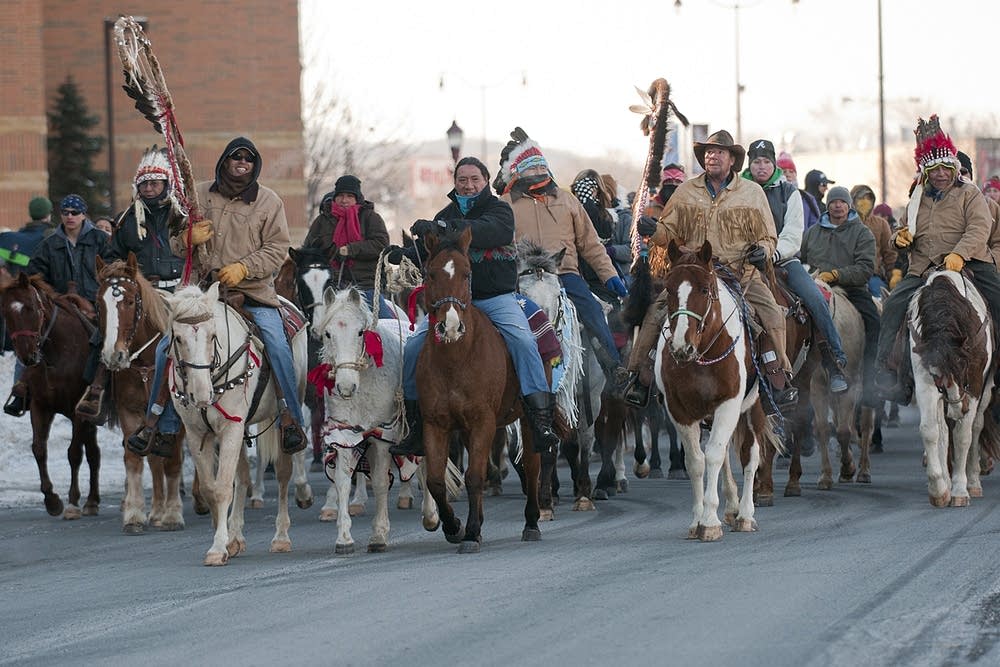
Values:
[(467, 383), (50, 337), (132, 317)]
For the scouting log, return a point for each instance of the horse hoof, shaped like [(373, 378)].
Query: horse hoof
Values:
[(764, 500), (469, 547), (680, 473), (621, 486), (456, 537), (327, 515), (546, 515), (641, 470), (710, 533), (846, 479), (72, 513), (256, 504), (236, 547), (215, 559), (531, 535), (941, 501), (355, 510), (171, 526), (864, 478), (377, 548), (960, 501), (53, 505), (133, 529), (793, 491), (692, 533), (825, 484), (89, 510), (583, 505), (201, 508), (975, 492), (745, 525), (344, 549), (600, 494), (404, 504), (729, 519), (431, 525), (657, 473), (304, 503), (281, 546)]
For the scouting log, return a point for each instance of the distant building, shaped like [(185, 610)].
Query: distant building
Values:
[(232, 66)]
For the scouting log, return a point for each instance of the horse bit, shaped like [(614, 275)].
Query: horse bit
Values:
[(39, 336)]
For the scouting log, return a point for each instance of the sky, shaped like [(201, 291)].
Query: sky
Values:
[(582, 60)]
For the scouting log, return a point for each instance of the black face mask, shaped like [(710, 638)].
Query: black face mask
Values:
[(153, 202)]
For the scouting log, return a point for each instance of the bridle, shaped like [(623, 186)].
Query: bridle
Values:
[(38, 334), (701, 319), (118, 285)]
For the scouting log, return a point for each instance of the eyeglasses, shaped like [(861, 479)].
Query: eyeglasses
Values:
[(243, 157), (69, 211)]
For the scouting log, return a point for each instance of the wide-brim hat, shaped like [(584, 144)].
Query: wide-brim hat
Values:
[(722, 139)]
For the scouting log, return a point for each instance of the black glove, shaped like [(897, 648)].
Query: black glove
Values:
[(646, 225), (394, 254), (422, 227), (758, 257)]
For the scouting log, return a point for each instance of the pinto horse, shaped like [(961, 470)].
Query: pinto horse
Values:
[(49, 333), (952, 351), (467, 383), (132, 317), (705, 369)]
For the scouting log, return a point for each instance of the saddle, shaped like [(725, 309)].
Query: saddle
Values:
[(795, 307), (292, 319)]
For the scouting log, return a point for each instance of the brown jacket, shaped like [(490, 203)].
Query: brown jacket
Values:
[(736, 219), (558, 222), (255, 234), (885, 251), (994, 242), (362, 255), (959, 223)]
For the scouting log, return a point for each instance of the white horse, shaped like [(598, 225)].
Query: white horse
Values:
[(214, 374), (951, 350), (362, 410)]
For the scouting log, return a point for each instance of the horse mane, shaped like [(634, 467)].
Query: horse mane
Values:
[(535, 257), (948, 324), (186, 303), (153, 304), (39, 283), (341, 304)]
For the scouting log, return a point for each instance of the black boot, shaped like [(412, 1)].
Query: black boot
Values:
[(17, 402), (636, 391), (838, 383), (540, 409), (293, 438), (413, 443)]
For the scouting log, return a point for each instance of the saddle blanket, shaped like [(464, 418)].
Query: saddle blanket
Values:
[(291, 317), (349, 444), (541, 327)]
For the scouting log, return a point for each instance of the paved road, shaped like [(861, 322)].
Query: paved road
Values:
[(861, 575)]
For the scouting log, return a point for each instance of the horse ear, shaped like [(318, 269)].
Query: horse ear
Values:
[(705, 253), (557, 257), (355, 295), (465, 240), (22, 279), (329, 296), (294, 254), (100, 263), (213, 292), (673, 252), (133, 262), (430, 242)]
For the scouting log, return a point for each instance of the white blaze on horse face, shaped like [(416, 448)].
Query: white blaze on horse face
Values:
[(315, 281), (16, 307), (680, 324), (449, 268), (452, 321), (342, 347), (110, 326)]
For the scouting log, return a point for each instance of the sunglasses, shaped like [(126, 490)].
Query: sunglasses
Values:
[(243, 157), (69, 211)]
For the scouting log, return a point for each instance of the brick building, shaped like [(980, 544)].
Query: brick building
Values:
[(232, 66)]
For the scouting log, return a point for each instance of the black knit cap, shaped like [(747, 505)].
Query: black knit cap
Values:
[(761, 148), (348, 184)]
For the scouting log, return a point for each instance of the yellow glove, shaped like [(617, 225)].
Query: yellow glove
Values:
[(895, 277), (829, 277), (233, 274), (953, 262), (903, 238), (201, 232)]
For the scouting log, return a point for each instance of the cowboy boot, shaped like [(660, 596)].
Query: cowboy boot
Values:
[(838, 383), (293, 438), (140, 443), (413, 443), (616, 375), (540, 408), (17, 402), (640, 361), (89, 406), (775, 364)]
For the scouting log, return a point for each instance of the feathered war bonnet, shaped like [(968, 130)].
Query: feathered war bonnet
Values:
[(934, 147), (153, 166), (520, 153)]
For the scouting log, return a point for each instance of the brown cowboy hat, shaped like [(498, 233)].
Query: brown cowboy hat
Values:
[(724, 140)]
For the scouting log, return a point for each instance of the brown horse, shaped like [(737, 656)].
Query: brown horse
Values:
[(50, 337), (132, 317), (467, 383)]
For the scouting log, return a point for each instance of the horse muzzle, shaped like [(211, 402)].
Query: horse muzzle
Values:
[(447, 333), (117, 360), (684, 353)]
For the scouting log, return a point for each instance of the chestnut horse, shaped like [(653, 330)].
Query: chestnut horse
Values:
[(132, 317), (50, 337), (705, 369), (467, 383)]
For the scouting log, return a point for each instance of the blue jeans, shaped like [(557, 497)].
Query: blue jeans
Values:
[(875, 285), (802, 284), (590, 313), (384, 311), (505, 313), (170, 421)]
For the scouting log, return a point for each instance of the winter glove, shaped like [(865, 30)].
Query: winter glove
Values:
[(895, 277), (233, 274), (201, 232), (394, 255), (646, 225), (758, 257), (422, 227), (829, 277), (344, 251), (903, 238), (953, 262), (616, 285)]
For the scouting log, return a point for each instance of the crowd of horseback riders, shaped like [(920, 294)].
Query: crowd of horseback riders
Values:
[(767, 235)]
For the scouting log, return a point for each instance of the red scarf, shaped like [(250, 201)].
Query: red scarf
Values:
[(348, 229)]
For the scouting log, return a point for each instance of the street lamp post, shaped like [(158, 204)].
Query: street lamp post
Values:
[(482, 99), (881, 108), (455, 136)]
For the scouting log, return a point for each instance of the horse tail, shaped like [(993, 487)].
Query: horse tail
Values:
[(267, 444), (454, 481), (763, 428), (640, 295)]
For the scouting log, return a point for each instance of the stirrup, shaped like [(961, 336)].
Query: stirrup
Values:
[(16, 405), (293, 438), (636, 393), (141, 442), (88, 408)]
